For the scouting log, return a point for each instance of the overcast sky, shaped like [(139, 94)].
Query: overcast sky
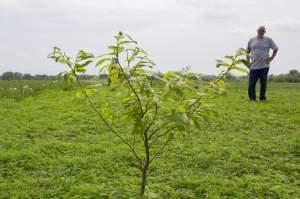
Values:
[(176, 33)]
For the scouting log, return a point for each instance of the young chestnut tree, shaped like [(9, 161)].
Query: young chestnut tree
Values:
[(154, 109)]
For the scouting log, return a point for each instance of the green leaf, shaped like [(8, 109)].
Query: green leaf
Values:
[(104, 68), (78, 94), (178, 91), (113, 72), (230, 57), (180, 108), (143, 65), (220, 84), (139, 126), (86, 63), (121, 49), (127, 42), (129, 37), (222, 63), (82, 55), (112, 47), (242, 70), (106, 111), (56, 48), (102, 61), (243, 62), (241, 52), (169, 75), (80, 69), (89, 92), (219, 65)]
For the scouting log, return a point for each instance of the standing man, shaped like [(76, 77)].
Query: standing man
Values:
[(259, 48)]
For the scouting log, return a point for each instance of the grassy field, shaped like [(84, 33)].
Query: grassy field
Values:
[(51, 146)]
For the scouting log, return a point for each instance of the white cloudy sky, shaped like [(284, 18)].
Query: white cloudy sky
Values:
[(176, 33)]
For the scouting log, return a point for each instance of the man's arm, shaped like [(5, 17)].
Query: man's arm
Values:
[(248, 51), (248, 47), (274, 53), (269, 59), (274, 47)]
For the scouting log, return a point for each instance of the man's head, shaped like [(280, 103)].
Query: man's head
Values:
[(261, 30)]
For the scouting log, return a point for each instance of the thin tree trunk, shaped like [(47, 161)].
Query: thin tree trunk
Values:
[(144, 180), (145, 167)]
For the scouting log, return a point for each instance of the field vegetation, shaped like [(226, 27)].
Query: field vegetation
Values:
[(247, 150)]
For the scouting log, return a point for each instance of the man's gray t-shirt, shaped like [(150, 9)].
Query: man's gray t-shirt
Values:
[(260, 48)]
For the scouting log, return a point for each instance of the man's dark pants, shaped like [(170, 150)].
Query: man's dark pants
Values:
[(262, 75)]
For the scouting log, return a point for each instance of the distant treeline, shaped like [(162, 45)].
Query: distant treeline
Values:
[(292, 76), (27, 76)]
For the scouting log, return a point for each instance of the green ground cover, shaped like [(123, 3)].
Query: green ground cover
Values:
[(52, 146)]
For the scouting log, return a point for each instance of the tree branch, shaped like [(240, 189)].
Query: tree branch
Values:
[(160, 150), (92, 104), (131, 87), (153, 119), (161, 135)]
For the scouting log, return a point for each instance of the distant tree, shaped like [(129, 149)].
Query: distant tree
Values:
[(208, 77), (40, 77), (271, 77), (17, 76), (27, 76), (292, 76), (103, 76), (8, 76), (293, 72), (85, 77)]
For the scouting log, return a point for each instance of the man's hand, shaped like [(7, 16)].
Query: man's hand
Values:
[(248, 61), (268, 60)]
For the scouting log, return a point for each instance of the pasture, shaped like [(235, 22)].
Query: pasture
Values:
[(51, 146)]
